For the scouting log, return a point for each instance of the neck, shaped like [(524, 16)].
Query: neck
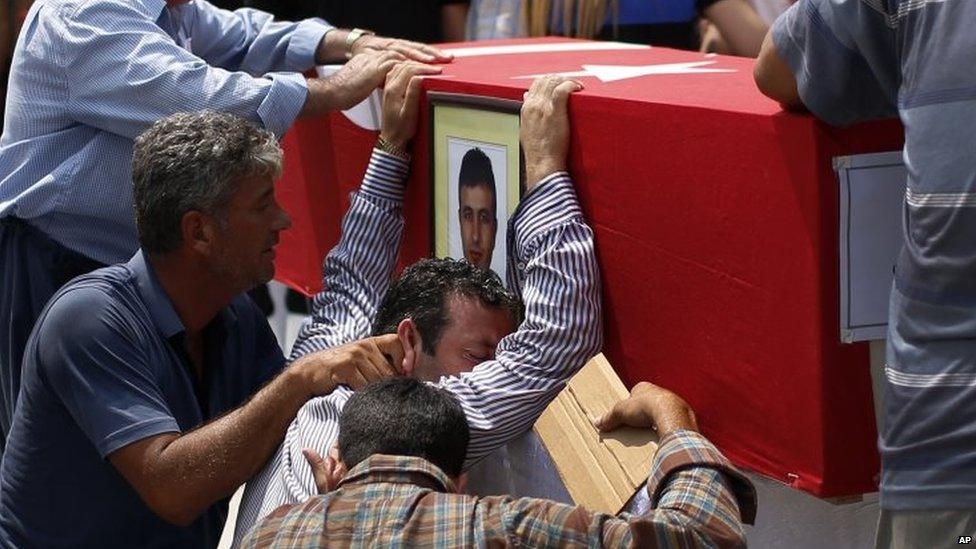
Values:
[(193, 289)]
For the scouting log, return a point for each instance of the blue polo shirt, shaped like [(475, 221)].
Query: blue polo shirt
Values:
[(105, 367)]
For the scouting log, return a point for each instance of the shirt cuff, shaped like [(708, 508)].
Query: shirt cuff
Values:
[(284, 101), (385, 177), (549, 204), (304, 42), (135, 432), (684, 450)]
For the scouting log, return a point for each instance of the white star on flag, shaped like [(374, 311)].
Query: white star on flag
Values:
[(612, 73)]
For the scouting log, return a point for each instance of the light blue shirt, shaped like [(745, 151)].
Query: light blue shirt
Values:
[(88, 76)]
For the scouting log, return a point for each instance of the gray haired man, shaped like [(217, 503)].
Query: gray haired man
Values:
[(153, 388)]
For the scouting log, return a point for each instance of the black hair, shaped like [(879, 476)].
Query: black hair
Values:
[(403, 416), (476, 172), (422, 291)]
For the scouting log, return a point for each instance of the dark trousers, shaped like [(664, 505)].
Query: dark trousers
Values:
[(32, 268)]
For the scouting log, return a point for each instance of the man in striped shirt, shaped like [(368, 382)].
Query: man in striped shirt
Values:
[(502, 388), (405, 442)]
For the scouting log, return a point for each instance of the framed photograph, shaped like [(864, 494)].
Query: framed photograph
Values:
[(476, 170)]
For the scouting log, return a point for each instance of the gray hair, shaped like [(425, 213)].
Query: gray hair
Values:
[(193, 162)]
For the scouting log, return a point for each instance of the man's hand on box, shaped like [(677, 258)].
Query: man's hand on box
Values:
[(650, 406), (545, 127), (410, 50), (362, 74), (401, 102)]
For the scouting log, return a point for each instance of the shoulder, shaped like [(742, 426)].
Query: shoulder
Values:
[(94, 319), (102, 297), (94, 17)]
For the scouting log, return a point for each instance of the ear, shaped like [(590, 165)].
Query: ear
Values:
[(198, 231), (412, 346)]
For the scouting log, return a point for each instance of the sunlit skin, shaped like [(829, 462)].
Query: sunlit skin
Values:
[(470, 338), (478, 224), (248, 234)]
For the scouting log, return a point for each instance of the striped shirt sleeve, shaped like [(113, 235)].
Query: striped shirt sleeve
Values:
[(841, 53), (357, 271), (253, 41), (123, 72)]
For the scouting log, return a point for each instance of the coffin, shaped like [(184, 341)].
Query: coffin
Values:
[(716, 221)]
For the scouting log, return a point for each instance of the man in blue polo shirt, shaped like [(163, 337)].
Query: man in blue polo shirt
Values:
[(849, 60), (130, 430), (88, 76)]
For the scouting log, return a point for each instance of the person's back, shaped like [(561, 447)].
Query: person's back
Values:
[(853, 60), (405, 442)]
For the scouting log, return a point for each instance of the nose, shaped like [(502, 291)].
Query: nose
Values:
[(284, 220)]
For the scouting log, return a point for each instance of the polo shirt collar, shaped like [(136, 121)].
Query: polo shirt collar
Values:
[(160, 307), (381, 468)]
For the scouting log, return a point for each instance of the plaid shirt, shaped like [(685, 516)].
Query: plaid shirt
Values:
[(388, 501)]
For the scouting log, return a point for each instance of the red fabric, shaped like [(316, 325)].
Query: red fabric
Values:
[(715, 215)]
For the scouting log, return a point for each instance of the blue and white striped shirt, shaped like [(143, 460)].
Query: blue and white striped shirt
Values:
[(88, 76), (859, 59), (552, 264)]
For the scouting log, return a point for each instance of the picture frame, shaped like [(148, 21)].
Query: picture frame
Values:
[(476, 176)]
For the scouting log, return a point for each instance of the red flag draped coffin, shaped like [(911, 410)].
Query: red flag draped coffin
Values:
[(715, 216)]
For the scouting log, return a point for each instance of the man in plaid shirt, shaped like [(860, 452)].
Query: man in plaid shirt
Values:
[(404, 444)]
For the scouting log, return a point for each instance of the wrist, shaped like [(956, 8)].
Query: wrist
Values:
[(300, 377), (397, 146), (332, 47), (672, 423), (354, 36), (331, 94), (538, 170)]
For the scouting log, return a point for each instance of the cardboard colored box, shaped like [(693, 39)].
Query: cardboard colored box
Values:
[(601, 471)]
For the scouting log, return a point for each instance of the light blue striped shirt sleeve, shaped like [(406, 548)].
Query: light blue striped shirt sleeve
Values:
[(88, 76), (840, 52), (553, 265), (125, 72)]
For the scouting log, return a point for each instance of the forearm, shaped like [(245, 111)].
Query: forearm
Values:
[(324, 96), (201, 467), (739, 24), (696, 493), (774, 77), (252, 41), (357, 271), (333, 47)]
